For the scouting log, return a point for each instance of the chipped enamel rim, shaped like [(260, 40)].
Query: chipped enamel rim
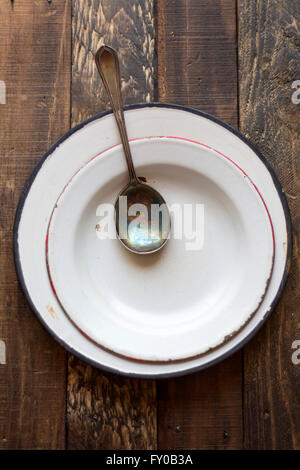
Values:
[(108, 361)]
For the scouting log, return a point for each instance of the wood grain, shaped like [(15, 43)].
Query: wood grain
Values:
[(35, 57), (106, 411), (203, 410), (269, 62), (197, 54), (126, 26), (197, 66)]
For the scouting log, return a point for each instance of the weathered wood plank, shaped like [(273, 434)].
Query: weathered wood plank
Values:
[(129, 28), (203, 410), (197, 66), (35, 63), (197, 55), (106, 411), (269, 63)]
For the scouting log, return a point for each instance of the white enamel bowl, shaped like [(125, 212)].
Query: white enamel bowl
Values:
[(189, 297), (176, 310)]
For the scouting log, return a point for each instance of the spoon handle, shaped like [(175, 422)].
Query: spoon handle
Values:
[(108, 67)]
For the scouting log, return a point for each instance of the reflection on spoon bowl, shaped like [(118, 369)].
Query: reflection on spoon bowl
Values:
[(142, 218)]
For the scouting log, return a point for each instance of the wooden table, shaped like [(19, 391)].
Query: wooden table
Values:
[(236, 61)]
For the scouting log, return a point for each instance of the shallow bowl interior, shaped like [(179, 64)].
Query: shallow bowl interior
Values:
[(185, 299)]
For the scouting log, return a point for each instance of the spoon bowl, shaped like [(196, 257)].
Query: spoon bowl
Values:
[(142, 218)]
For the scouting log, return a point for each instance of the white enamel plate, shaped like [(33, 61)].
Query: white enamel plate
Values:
[(192, 303)]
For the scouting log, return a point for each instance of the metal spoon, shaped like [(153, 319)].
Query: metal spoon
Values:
[(142, 216)]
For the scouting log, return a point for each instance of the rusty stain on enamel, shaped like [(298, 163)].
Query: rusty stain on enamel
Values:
[(51, 311)]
